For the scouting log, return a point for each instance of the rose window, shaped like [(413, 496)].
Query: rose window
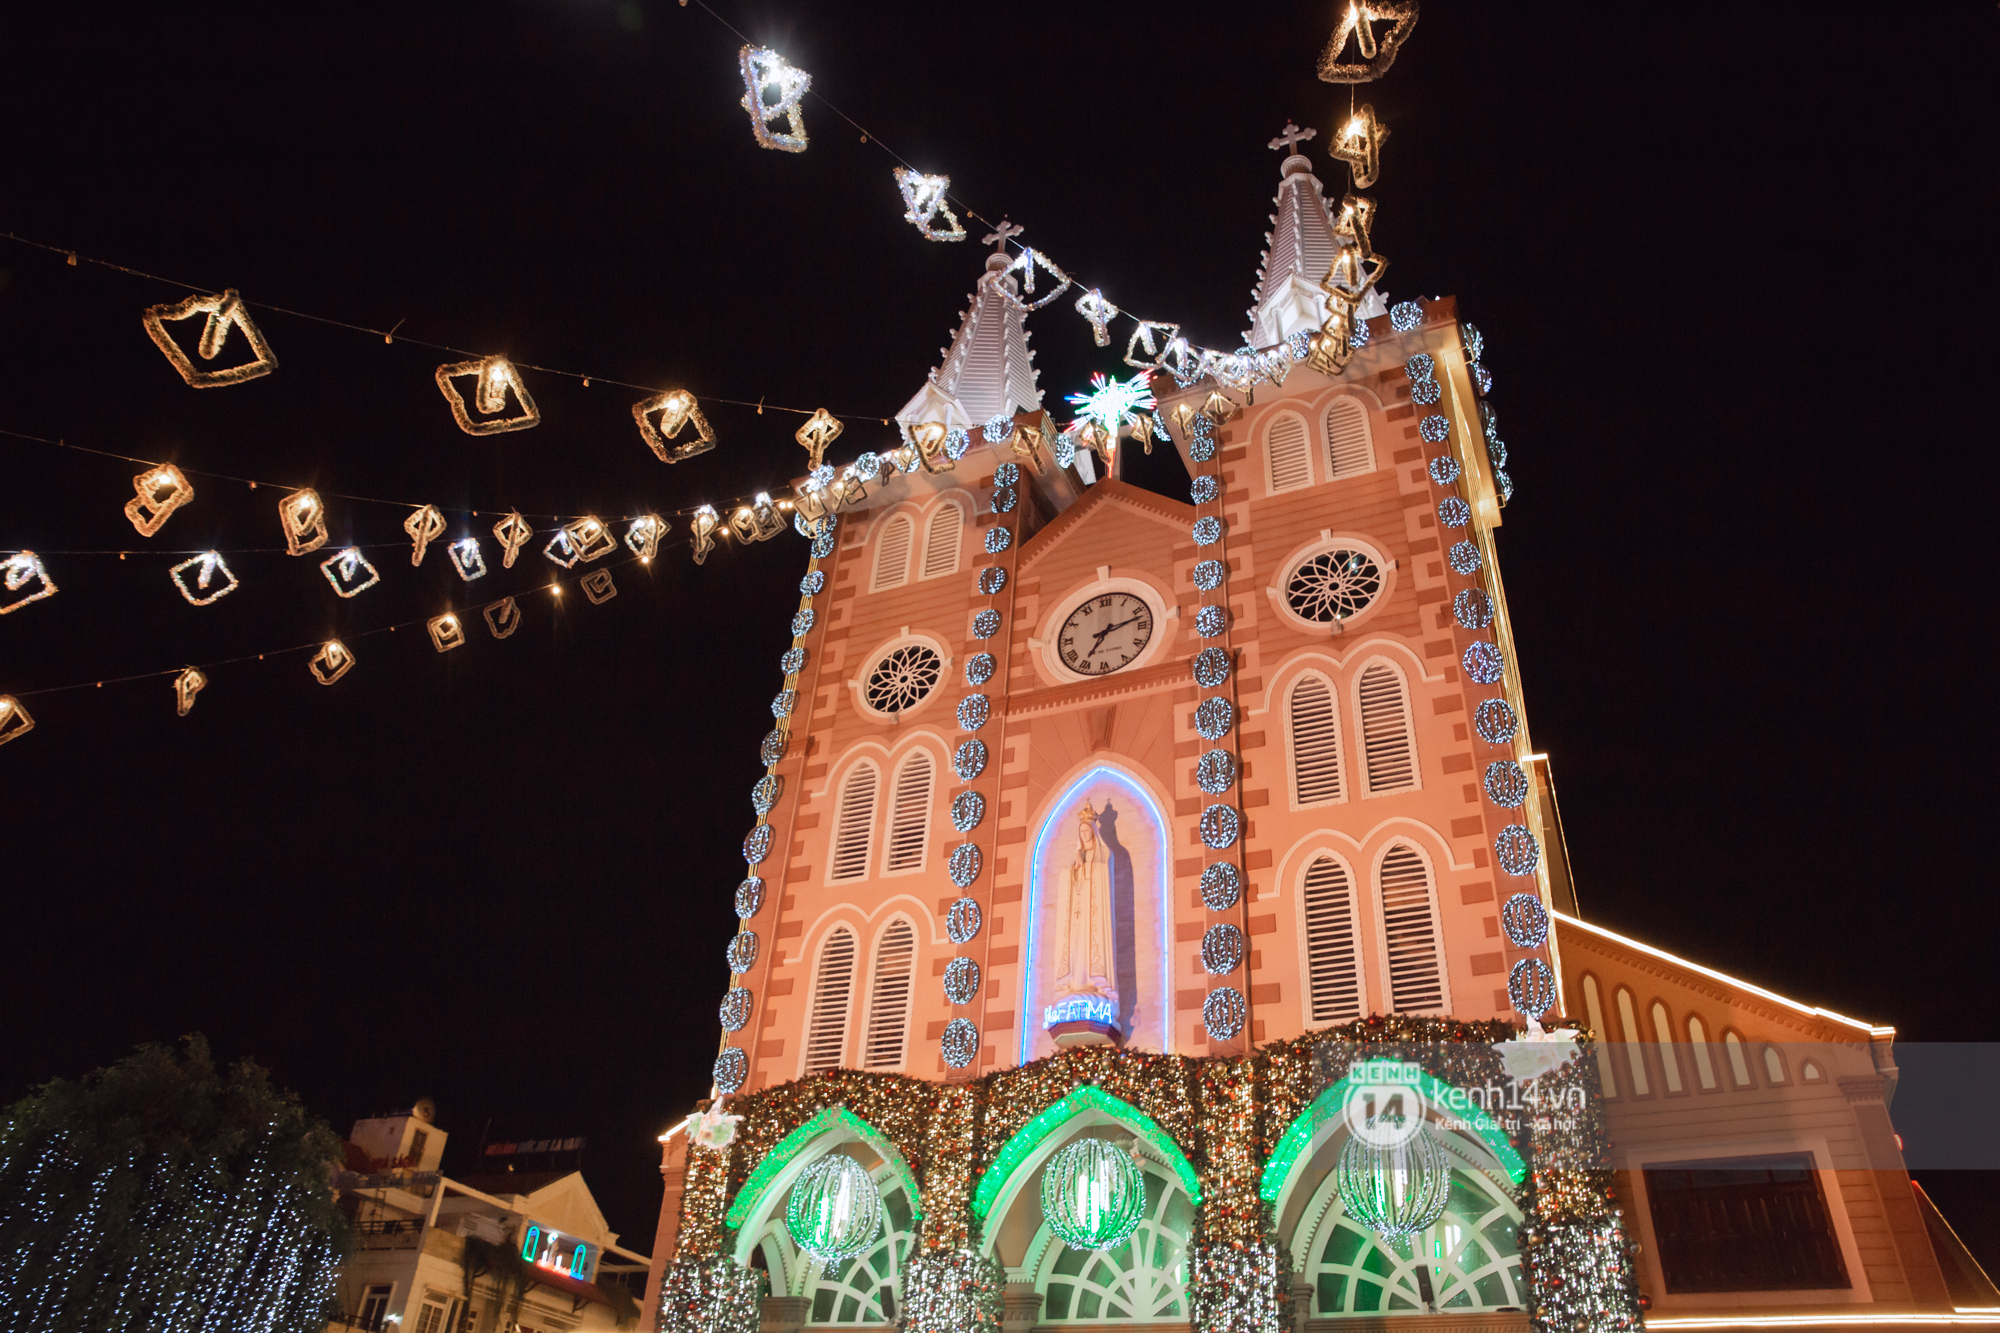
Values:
[(903, 678), (1333, 585)]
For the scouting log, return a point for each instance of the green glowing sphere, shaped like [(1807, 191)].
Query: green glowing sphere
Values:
[(1093, 1195), (1395, 1179), (834, 1211)]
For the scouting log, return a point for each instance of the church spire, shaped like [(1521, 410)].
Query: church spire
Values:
[(1300, 249), (988, 370)]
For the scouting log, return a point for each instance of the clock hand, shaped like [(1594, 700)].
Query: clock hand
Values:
[(1108, 628)]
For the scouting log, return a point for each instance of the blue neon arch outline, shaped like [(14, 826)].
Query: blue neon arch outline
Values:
[(1031, 1019)]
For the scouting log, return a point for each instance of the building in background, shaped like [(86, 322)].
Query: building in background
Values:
[(508, 1252)]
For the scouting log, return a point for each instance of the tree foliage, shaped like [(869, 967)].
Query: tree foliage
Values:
[(163, 1195)]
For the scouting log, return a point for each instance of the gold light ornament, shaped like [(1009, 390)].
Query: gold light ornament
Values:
[(1358, 143), (1356, 267), (1333, 346), (186, 686), (1029, 260), (928, 438), (467, 560), (512, 532), (924, 200), (822, 428), (162, 490), (642, 537), (303, 516), (23, 569), (496, 375), (704, 523), (503, 617), (1100, 312), (446, 632), (1377, 51), (772, 90), (15, 721), (676, 410), (425, 525), (331, 662), (225, 312), (1156, 338), (1029, 437), (903, 458), (757, 521), (1219, 407), (811, 503), (210, 565), (587, 539), (598, 587), (344, 571), (1183, 415), (848, 488)]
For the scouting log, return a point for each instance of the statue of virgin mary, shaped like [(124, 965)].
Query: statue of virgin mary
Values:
[(1086, 998)]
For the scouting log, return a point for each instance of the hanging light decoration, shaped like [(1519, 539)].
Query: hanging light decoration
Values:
[(1093, 1195), (1395, 1183), (834, 1211)]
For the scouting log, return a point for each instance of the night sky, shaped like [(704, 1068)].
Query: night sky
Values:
[(1733, 270)]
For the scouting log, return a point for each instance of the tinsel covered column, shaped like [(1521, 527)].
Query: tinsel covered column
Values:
[(1577, 1254), (1239, 1275), (948, 1285)]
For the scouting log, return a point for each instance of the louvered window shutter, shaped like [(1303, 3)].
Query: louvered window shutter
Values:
[(1390, 750), (1409, 926), (1315, 743), (855, 823), (910, 813), (1287, 459), (889, 997), (892, 554), (941, 540), (1349, 450), (1333, 967), (833, 989)]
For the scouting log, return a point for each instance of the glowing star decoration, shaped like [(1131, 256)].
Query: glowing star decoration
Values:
[(225, 312), (211, 565), (186, 686), (598, 587), (446, 632), (496, 375), (704, 523), (331, 662), (1100, 312), (1377, 51), (425, 525), (772, 90), (1358, 143), (466, 559), (503, 617), (162, 490), (512, 532), (23, 569), (345, 570), (924, 201), (1111, 403), (642, 537), (822, 428), (676, 411), (303, 516), (15, 721)]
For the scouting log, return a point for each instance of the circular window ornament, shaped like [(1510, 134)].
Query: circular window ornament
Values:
[(961, 981), (992, 579), (1517, 850), (979, 668), (961, 921), (735, 1009), (822, 546), (963, 866), (1007, 474), (998, 430), (1444, 469), (757, 844), (998, 539), (1219, 826), (1093, 1195), (1405, 315), (1222, 1013), (1222, 949), (1454, 512), (1425, 391), (749, 898), (1333, 586), (1209, 574), (1210, 621), (1359, 338), (1221, 886), (1420, 367), (1473, 340), (1211, 667), (742, 952), (1004, 499), (731, 1068), (1531, 987), (765, 793), (783, 703), (1525, 920), (1482, 662), (986, 624), (1482, 379), (1507, 784), (969, 760), (810, 585), (1201, 445), (959, 1043), (1434, 428), (1505, 483), (1495, 721), (903, 678), (956, 444), (972, 712), (967, 809), (793, 662), (1464, 557), (1215, 772), (1207, 531), (773, 748), (834, 1212), (1205, 489), (1213, 717), (1472, 608)]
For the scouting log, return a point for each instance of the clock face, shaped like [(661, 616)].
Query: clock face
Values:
[(1105, 633)]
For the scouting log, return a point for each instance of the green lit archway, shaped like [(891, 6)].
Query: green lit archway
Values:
[(1026, 1144), (780, 1167)]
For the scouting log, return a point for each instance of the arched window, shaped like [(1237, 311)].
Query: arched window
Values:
[(1315, 742), (1409, 928), (889, 997), (854, 825), (1333, 962), (1739, 1067), (910, 813), (1809, 1073), (1663, 1033), (941, 540), (832, 996), (1593, 1002), (1635, 1054), (1287, 460), (1704, 1066), (1774, 1066), (1389, 749), (892, 553), (1350, 450)]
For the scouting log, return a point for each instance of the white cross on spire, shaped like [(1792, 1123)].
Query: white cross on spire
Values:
[(1291, 139), (1004, 233)]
